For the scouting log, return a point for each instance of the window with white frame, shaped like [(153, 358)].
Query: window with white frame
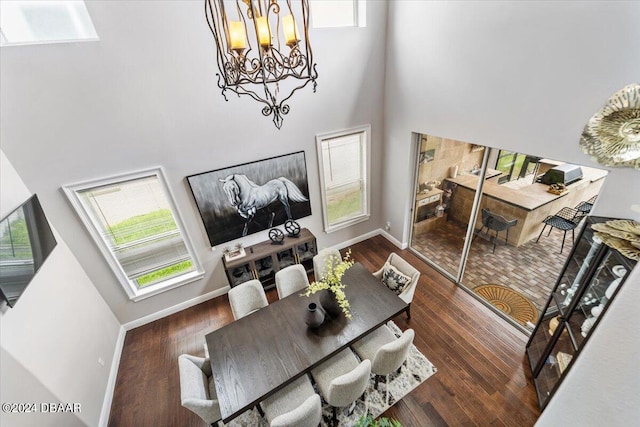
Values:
[(343, 159), (50, 21), (134, 222), (338, 13)]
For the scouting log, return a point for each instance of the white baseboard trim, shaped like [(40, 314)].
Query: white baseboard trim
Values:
[(174, 309), (111, 382), (389, 237), (358, 239)]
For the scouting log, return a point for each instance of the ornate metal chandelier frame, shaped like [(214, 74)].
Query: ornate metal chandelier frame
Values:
[(244, 72)]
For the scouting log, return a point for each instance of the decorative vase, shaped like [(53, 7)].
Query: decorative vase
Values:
[(313, 316), (329, 303)]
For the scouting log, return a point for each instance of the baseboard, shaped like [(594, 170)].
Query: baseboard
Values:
[(174, 309), (355, 240), (113, 374), (396, 242)]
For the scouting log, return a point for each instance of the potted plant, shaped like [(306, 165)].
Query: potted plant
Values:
[(334, 300), (369, 421)]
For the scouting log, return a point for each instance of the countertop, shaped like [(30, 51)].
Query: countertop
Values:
[(529, 197)]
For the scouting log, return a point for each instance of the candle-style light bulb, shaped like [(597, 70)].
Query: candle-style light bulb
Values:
[(264, 33), (237, 36), (290, 30)]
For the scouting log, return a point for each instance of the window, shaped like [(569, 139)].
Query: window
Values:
[(135, 224), (34, 22), (344, 169), (338, 13)]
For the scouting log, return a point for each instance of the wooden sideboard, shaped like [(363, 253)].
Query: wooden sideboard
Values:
[(263, 260)]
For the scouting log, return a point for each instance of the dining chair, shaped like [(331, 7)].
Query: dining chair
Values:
[(246, 298), (386, 352), (497, 223), (290, 280), (342, 380), (296, 405), (320, 262), (566, 219), (197, 388), (394, 260)]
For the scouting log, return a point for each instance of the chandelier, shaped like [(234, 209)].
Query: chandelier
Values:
[(262, 50)]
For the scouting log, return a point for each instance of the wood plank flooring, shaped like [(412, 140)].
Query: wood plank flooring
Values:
[(482, 377)]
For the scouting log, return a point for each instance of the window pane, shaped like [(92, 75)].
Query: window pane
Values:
[(333, 13), (135, 219), (343, 163), (45, 21)]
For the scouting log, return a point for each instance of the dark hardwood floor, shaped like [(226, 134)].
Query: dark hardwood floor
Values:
[(482, 377)]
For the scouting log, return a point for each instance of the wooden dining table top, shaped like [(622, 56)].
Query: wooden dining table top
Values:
[(259, 354)]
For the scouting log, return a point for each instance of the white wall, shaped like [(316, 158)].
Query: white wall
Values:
[(52, 339), (146, 95), (523, 76)]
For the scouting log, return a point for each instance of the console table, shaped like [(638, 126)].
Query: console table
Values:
[(263, 260)]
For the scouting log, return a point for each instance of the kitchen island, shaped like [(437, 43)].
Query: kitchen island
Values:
[(530, 204)]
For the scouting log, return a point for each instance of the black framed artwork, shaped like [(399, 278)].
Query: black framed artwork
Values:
[(244, 199)]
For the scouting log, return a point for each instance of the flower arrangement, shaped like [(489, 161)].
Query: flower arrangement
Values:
[(333, 281)]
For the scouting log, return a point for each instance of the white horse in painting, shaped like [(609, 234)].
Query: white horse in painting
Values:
[(248, 197)]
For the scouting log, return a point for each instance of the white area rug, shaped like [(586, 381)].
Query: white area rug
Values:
[(413, 373)]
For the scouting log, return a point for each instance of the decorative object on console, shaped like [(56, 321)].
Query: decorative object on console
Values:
[(235, 253), (332, 284), (292, 228), (612, 135), (250, 61), (244, 199), (276, 236)]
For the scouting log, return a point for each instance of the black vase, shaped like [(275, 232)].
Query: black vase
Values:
[(329, 303), (314, 316)]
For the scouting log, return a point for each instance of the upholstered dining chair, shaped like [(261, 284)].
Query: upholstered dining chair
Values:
[(342, 380), (197, 389), (290, 280), (296, 405), (320, 262), (406, 269), (246, 298), (386, 352)]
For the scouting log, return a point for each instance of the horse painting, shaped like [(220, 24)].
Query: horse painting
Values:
[(248, 197)]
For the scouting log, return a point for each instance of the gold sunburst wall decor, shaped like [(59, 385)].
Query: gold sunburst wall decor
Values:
[(612, 135)]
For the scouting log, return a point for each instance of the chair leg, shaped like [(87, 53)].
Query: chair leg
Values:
[(408, 311), (564, 236), (540, 235), (495, 238), (260, 411), (506, 239), (334, 420), (375, 384)]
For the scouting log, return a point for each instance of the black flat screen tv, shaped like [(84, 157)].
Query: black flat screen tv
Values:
[(26, 240)]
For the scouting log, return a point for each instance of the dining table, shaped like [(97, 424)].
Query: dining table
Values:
[(259, 354)]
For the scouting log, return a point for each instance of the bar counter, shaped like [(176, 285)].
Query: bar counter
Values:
[(530, 204)]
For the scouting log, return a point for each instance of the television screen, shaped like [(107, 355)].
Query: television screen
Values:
[(26, 240)]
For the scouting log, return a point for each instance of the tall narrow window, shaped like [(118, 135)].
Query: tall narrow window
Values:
[(135, 224), (344, 169), (338, 13)]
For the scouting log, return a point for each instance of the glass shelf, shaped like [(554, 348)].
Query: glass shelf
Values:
[(555, 364)]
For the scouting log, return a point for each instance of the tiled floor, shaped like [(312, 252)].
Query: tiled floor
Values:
[(530, 269)]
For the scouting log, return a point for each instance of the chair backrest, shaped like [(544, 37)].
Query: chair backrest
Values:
[(308, 414), (570, 214), (348, 387), (390, 356), (290, 280), (496, 222), (246, 298), (408, 270), (320, 262), (194, 388)]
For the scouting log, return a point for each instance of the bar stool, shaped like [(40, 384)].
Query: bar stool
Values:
[(566, 219), (585, 207)]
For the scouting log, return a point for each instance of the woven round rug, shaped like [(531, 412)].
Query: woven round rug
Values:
[(510, 302)]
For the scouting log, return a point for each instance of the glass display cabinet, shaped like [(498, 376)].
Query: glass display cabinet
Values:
[(263, 260), (591, 278)]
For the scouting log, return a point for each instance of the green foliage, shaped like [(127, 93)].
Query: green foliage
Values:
[(165, 273), (333, 281), (344, 206), (369, 421), (142, 226)]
